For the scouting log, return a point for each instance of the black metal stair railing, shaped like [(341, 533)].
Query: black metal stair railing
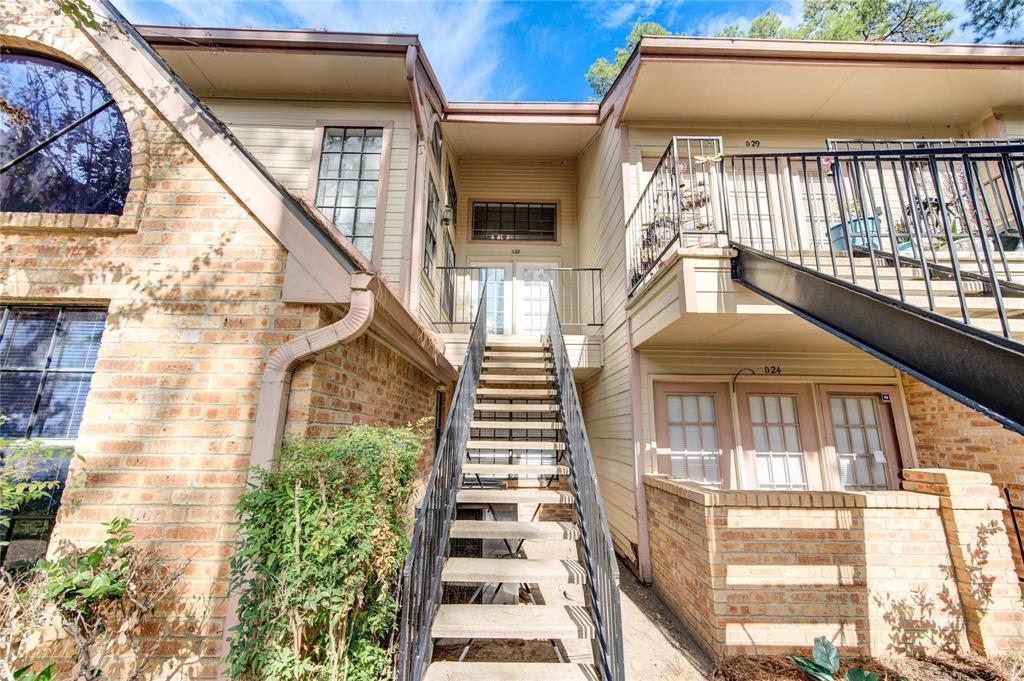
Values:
[(598, 552), (421, 576)]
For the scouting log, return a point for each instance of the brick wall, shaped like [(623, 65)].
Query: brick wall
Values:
[(362, 382), (948, 434), (762, 573), (192, 285)]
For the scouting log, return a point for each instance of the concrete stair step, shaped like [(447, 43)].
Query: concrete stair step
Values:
[(513, 571), (489, 365), (517, 425), (512, 529), (512, 622), (512, 469), (510, 671), (505, 445), (521, 355), (534, 495), (516, 408), (517, 378), (524, 393)]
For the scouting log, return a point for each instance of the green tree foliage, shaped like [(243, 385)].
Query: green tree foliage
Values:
[(602, 73), (990, 16), (922, 21), (322, 540)]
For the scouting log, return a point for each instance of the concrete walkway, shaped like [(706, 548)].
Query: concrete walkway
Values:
[(656, 646)]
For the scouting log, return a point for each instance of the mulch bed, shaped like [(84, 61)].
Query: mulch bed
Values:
[(926, 669)]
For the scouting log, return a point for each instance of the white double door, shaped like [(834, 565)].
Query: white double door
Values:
[(518, 296)]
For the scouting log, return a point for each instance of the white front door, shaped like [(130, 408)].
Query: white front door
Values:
[(518, 295)]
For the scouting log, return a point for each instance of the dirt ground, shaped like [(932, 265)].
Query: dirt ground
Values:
[(930, 669)]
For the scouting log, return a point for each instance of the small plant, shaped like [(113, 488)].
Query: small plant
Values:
[(29, 472), (825, 664)]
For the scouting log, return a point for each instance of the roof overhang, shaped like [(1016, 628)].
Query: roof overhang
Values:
[(520, 129), (673, 78), (289, 64)]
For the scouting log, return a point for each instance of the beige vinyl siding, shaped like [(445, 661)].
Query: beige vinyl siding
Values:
[(280, 133), (647, 142), (606, 397), (534, 180)]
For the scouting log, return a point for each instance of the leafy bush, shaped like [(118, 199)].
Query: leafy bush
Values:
[(321, 543), (102, 598)]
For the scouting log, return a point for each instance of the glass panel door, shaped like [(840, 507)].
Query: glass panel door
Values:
[(862, 433), (497, 301), (779, 438), (694, 438), (533, 297)]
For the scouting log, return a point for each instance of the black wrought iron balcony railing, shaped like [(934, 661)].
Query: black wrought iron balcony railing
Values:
[(519, 298), (677, 207), (925, 224), (938, 228)]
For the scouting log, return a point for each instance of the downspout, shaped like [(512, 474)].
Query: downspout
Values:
[(272, 410)]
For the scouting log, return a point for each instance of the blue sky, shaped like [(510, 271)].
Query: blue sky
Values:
[(486, 50)]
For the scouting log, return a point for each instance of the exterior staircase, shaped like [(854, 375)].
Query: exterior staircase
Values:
[(511, 551), (515, 469)]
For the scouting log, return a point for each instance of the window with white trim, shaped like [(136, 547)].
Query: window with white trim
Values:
[(694, 450), (47, 360), (348, 182)]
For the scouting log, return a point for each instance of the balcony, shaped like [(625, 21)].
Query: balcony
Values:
[(518, 299), (931, 223)]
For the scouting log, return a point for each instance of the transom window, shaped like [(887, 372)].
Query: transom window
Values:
[(47, 359), (493, 221), (348, 182), (64, 145), (430, 232)]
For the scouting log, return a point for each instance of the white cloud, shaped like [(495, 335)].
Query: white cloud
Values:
[(791, 12), (466, 42), (610, 14)]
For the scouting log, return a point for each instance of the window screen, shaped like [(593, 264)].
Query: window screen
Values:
[(347, 184), (515, 221)]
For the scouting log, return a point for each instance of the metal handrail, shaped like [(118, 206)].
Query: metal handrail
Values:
[(579, 291), (421, 574), (945, 221), (598, 551), (676, 203)]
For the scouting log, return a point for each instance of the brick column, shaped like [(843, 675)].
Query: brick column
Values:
[(979, 548)]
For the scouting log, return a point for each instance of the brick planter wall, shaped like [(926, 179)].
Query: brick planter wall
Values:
[(878, 573), (948, 434)]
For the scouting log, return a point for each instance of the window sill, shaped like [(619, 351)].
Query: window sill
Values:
[(71, 223)]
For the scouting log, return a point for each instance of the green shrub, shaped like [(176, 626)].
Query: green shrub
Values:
[(322, 540)]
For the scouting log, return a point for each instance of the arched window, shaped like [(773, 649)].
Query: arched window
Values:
[(64, 146)]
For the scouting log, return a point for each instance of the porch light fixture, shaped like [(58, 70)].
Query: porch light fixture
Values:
[(447, 216)]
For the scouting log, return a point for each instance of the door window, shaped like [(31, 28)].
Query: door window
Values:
[(779, 439), (859, 425), (776, 429), (694, 438)]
